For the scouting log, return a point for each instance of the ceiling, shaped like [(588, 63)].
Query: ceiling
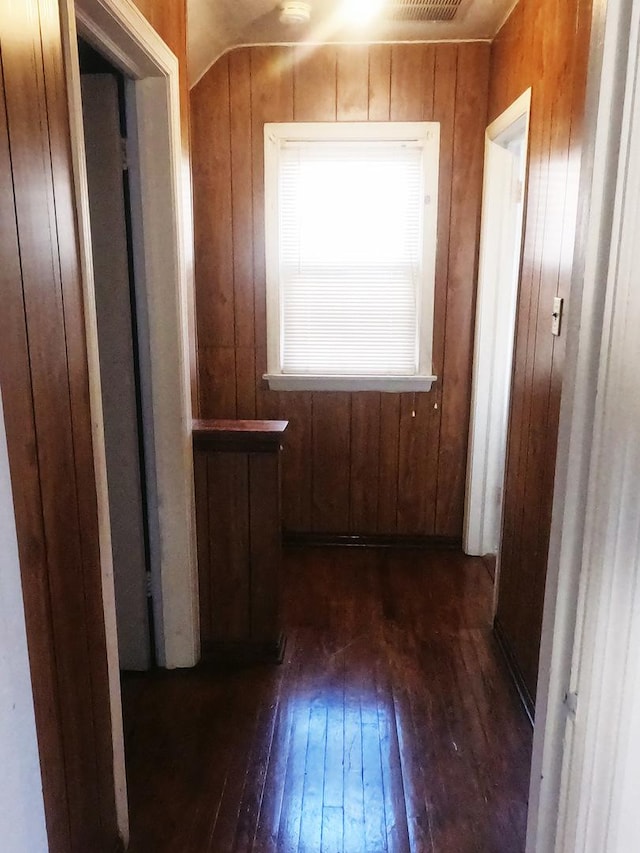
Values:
[(214, 26)]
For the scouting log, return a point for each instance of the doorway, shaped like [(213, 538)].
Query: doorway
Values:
[(120, 33), (120, 316), (506, 145)]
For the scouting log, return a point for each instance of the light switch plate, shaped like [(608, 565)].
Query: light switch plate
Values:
[(556, 317)]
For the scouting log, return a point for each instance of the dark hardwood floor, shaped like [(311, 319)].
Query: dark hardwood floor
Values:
[(390, 726)]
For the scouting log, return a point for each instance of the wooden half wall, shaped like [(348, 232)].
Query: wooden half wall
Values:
[(544, 45), (44, 378), (354, 462)]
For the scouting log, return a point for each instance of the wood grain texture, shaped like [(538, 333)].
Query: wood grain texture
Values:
[(390, 726), (529, 51), (239, 528), (15, 377), (44, 377), (228, 489), (359, 462), (472, 81), (265, 549), (201, 484)]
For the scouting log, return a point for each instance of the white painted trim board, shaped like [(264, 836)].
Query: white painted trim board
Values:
[(120, 32)]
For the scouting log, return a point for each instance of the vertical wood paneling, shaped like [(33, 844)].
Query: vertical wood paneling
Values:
[(42, 294), (331, 448), (379, 82), (239, 522), (81, 425), (418, 418), (228, 545), (265, 522), (44, 377), (217, 382), (353, 462), (472, 81), (445, 88), (365, 462), (21, 436), (241, 199), (245, 383), (352, 83), (213, 208), (272, 91), (529, 51), (214, 246), (314, 83), (201, 480)]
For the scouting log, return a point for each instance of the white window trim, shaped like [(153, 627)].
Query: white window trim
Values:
[(426, 133)]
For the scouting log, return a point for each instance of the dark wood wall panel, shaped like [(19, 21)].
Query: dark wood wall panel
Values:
[(45, 388), (15, 376), (44, 378), (229, 532), (460, 302), (544, 45), (239, 524), (362, 462)]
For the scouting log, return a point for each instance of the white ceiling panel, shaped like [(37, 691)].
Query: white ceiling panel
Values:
[(215, 26)]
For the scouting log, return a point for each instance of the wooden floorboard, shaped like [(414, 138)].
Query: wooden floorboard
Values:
[(390, 726)]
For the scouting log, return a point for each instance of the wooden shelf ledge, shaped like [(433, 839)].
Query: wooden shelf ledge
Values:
[(239, 436)]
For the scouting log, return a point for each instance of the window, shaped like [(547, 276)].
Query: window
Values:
[(350, 247)]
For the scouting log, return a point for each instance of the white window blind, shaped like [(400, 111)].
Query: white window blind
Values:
[(350, 256)]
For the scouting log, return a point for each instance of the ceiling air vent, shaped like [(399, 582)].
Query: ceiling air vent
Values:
[(423, 10)]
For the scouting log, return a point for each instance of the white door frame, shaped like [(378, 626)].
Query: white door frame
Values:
[(494, 337), (121, 33), (589, 647)]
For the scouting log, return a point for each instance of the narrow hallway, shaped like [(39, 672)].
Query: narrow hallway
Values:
[(391, 725)]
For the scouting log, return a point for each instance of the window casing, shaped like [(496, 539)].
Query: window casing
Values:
[(350, 228)]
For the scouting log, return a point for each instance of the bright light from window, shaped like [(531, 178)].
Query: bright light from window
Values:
[(355, 212), (350, 239), (350, 257), (360, 11)]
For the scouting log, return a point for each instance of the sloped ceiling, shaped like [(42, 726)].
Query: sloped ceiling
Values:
[(215, 26)]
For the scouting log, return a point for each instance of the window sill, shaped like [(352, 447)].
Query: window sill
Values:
[(281, 382)]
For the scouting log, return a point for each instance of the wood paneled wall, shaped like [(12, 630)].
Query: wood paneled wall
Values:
[(358, 462), (544, 44), (43, 370), (44, 378)]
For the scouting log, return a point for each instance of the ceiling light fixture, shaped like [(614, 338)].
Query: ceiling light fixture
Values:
[(295, 12), (360, 11)]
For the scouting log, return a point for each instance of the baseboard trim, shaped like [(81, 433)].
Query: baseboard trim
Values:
[(375, 540), (514, 671), (243, 651)]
